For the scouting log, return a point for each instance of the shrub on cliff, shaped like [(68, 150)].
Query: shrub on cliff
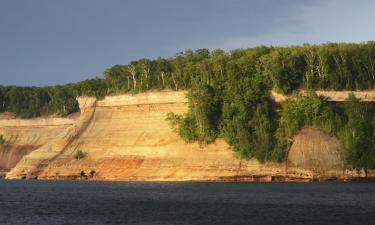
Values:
[(358, 134), (239, 111), (300, 111), (201, 122), (184, 126), (247, 119), (79, 154), (2, 141)]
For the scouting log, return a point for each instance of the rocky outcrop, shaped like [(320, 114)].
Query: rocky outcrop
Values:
[(7, 116), (126, 137), (315, 150), (129, 139), (333, 96), (32, 164), (24, 136)]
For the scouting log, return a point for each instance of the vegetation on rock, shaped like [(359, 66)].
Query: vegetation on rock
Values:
[(358, 133), (297, 112), (328, 66), (79, 154), (229, 96), (2, 141)]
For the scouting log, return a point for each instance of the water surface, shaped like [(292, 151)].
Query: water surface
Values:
[(68, 202)]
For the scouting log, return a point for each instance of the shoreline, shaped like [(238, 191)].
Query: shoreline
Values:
[(126, 138), (239, 179)]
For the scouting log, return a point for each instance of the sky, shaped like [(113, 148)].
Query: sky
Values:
[(48, 42)]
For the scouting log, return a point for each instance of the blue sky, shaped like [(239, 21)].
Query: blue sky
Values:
[(46, 42)]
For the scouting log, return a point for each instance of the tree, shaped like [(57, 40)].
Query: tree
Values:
[(2, 98), (286, 68), (184, 126), (79, 154), (146, 69), (163, 68), (116, 78), (133, 72), (358, 134), (246, 117), (2, 141), (204, 106), (297, 112), (201, 122)]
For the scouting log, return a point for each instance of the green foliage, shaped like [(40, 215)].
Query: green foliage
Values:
[(297, 112), (229, 95), (357, 135), (184, 126), (204, 109), (79, 154), (2, 141), (28, 102), (201, 122), (285, 67), (246, 117), (329, 66)]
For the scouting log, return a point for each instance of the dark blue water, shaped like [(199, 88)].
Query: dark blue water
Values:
[(41, 202)]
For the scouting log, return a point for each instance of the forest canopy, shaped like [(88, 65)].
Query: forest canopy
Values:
[(229, 95), (332, 66)]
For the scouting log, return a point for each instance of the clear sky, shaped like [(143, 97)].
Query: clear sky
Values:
[(45, 42)]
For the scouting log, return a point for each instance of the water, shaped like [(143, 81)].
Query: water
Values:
[(42, 202)]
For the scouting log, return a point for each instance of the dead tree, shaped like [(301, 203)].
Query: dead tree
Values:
[(162, 74), (174, 81), (146, 71), (133, 73)]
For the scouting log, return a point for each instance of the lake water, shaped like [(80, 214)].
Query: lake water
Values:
[(61, 202)]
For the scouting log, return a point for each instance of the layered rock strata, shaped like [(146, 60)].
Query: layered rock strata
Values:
[(127, 137)]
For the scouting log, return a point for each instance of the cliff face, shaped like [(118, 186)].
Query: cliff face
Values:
[(129, 139), (35, 162), (315, 150), (126, 137), (24, 136), (332, 96)]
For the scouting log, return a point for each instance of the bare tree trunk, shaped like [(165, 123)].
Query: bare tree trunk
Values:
[(343, 68), (320, 67), (310, 59), (174, 81), (146, 72), (133, 74), (162, 77)]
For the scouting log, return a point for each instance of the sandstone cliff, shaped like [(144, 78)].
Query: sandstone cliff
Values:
[(129, 139), (333, 96), (126, 137), (24, 136)]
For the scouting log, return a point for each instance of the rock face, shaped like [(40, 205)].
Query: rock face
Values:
[(332, 96), (24, 136), (127, 137), (130, 139), (33, 163), (316, 150)]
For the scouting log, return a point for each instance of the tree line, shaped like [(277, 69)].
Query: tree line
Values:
[(334, 66), (257, 128), (229, 95)]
